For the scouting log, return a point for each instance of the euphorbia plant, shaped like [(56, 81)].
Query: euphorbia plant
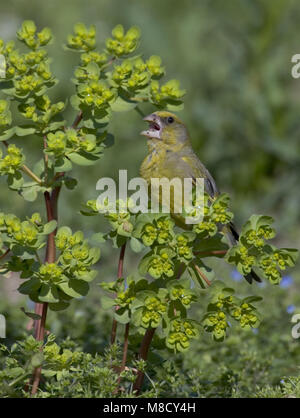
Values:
[(57, 264)]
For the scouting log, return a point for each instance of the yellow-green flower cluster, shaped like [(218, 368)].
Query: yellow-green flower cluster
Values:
[(181, 332), (184, 296), (123, 43), (246, 259), (159, 231), (23, 233), (120, 221), (50, 273), (125, 298), (41, 104), (170, 91), (246, 315), (65, 240), (5, 114), (271, 264), (215, 212), (71, 140), (83, 38), (131, 75), (161, 265), (28, 84), (76, 255), (33, 39), (182, 248), (216, 323), (220, 212), (223, 301), (154, 66), (96, 94), (93, 57), (13, 161), (56, 143), (257, 237), (153, 311)]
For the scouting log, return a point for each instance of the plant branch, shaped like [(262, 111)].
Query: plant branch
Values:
[(210, 253), (143, 355), (202, 275), (4, 254), (29, 173), (120, 274), (125, 351), (26, 169), (77, 119), (41, 308)]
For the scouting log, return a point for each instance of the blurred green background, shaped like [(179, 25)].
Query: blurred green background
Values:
[(241, 107)]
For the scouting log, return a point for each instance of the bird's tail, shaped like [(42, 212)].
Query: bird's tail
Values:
[(233, 237)]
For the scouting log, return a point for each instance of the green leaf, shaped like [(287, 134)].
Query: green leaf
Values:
[(48, 294), (31, 315), (84, 160), (24, 130), (97, 238), (5, 135), (94, 254), (136, 245), (30, 193), (29, 286), (215, 243), (88, 276), (62, 164), (37, 360), (70, 182), (75, 102), (122, 105), (107, 302), (175, 107), (251, 299), (59, 306), (122, 316), (49, 227), (75, 288), (15, 181), (64, 230)]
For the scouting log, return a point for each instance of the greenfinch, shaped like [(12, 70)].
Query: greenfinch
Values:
[(170, 155)]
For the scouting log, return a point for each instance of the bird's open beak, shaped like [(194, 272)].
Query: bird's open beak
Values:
[(155, 127)]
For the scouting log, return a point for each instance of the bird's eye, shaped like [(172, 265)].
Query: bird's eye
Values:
[(170, 119)]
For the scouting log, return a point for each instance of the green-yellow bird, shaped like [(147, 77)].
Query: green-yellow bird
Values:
[(171, 156)]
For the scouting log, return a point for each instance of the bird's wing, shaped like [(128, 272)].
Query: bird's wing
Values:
[(188, 165)]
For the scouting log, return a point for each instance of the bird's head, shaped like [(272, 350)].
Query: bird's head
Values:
[(166, 127)]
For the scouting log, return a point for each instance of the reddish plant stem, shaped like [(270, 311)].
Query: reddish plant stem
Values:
[(39, 337), (51, 202), (212, 253), (120, 274), (143, 354), (125, 351), (4, 254), (77, 120), (41, 308), (208, 282)]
